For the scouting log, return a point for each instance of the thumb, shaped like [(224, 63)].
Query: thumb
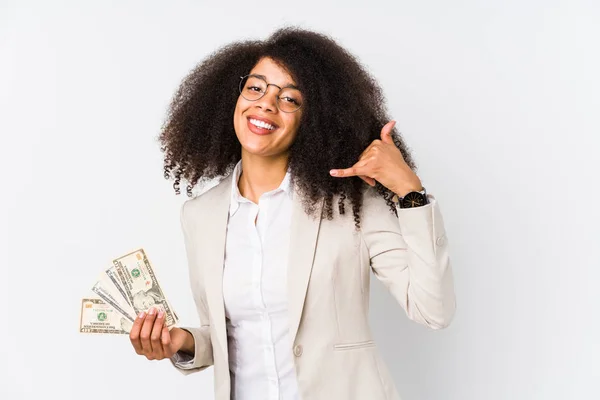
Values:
[(386, 132)]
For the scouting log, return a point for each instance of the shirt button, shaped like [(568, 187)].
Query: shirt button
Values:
[(298, 350), (440, 241)]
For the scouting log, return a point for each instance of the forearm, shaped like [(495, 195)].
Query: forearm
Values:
[(196, 352), (189, 345)]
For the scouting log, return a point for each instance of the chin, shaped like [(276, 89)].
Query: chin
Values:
[(256, 145), (258, 152)]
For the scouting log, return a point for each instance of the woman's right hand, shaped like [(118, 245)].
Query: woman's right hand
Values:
[(150, 337)]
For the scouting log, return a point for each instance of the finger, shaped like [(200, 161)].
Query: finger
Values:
[(370, 181), (146, 331), (134, 334), (386, 132), (157, 350), (165, 339), (360, 168), (355, 170)]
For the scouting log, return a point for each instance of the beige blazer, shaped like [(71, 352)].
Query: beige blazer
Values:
[(328, 288)]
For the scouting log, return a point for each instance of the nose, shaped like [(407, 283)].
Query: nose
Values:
[(269, 101)]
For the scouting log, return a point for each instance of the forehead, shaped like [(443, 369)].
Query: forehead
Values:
[(273, 72)]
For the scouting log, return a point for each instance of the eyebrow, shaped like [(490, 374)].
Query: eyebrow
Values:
[(289, 85)]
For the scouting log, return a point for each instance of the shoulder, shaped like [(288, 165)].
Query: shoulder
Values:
[(207, 199), (376, 206), (376, 213), (374, 203)]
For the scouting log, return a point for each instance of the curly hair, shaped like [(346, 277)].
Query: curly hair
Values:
[(343, 112)]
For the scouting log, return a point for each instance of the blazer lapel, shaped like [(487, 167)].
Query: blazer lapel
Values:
[(215, 228), (303, 241)]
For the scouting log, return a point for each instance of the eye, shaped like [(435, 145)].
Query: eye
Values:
[(291, 100), (254, 89)]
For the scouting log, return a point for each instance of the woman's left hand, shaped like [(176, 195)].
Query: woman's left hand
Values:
[(383, 162)]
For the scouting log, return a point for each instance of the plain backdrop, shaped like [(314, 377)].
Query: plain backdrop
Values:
[(498, 100)]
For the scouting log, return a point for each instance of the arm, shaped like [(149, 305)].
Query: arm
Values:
[(409, 254), (196, 354), (196, 343)]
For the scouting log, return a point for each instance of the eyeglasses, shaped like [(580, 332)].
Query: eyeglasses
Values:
[(254, 87)]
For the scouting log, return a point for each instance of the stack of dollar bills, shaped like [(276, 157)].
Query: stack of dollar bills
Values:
[(122, 292)]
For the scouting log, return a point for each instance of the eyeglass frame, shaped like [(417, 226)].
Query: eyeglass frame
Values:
[(290, 86)]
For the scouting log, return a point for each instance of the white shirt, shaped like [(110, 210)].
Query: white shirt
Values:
[(255, 295)]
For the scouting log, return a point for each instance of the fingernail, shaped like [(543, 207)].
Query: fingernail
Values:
[(151, 311), (142, 315), (161, 313), (333, 172)]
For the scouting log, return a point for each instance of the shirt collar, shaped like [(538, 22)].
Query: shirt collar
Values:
[(236, 196)]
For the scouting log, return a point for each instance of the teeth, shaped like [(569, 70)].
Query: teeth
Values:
[(261, 124)]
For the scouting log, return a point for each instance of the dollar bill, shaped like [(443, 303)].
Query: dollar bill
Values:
[(99, 317), (113, 276), (105, 289), (141, 285)]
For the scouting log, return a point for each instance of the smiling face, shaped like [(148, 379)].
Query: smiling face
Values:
[(262, 129)]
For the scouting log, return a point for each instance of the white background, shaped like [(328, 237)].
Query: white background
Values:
[(498, 100)]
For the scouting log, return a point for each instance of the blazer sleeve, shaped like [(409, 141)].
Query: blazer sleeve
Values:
[(203, 356), (409, 255)]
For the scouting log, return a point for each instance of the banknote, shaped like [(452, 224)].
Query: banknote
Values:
[(112, 274), (99, 317), (141, 285), (104, 288)]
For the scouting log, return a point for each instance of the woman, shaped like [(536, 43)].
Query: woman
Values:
[(317, 191)]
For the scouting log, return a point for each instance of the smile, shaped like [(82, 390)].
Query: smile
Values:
[(261, 124)]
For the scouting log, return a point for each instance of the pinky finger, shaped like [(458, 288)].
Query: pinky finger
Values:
[(370, 181), (165, 339)]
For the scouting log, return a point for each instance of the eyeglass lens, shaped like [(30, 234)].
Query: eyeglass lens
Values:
[(253, 88)]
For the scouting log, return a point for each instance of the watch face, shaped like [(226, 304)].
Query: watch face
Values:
[(414, 199)]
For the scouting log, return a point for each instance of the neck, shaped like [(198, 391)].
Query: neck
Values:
[(261, 175)]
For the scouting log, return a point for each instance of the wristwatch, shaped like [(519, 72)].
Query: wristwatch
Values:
[(413, 199)]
